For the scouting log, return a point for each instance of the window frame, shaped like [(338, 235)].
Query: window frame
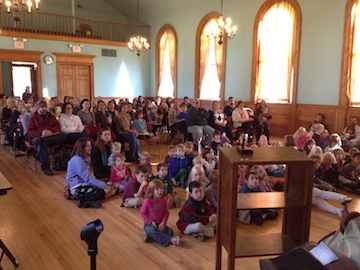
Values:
[(157, 60), (295, 50), (208, 17), (345, 78)]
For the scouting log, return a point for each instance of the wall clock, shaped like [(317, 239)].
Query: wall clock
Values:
[(48, 59)]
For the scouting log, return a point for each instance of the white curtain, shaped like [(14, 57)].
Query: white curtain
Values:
[(275, 46)]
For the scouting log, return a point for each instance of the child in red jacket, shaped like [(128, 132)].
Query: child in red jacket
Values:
[(197, 217)]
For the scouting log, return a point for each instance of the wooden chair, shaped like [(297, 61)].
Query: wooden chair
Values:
[(151, 140), (92, 131)]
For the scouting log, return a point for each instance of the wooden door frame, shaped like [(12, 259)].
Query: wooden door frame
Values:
[(76, 59), (23, 56)]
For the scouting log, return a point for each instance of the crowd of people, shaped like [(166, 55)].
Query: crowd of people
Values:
[(190, 164)]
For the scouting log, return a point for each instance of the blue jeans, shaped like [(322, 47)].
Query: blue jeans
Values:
[(134, 146), (162, 238), (43, 148)]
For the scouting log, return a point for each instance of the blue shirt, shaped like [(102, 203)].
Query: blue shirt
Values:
[(78, 173)]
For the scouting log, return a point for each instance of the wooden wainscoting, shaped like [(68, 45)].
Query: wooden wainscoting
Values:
[(335, 116), (283, 119), (286, 118)]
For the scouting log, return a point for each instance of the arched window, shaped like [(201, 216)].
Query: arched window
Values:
[(210, 62), (166, 62), (350, 75), (276, 52)]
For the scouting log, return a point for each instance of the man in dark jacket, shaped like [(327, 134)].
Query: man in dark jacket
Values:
[(44, 130), (198, 124)]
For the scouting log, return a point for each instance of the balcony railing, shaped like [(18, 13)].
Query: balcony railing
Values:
[(74, 26)]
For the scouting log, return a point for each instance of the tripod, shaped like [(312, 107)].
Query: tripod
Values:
[(7, 252)]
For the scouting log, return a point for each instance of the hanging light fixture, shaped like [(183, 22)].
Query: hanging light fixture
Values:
[(17, 6), (220, 28), (138, 43)]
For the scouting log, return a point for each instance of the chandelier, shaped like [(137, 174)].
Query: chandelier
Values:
[(17, 6), (220, 28), (138, 43)]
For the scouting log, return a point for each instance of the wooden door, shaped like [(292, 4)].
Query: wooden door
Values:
[(75, 76), (65, 81), (82, 75)]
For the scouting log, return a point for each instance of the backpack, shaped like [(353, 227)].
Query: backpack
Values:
[(346, 239), (60, 163)]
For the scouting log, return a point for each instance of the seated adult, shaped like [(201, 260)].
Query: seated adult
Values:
[(101, 114), (319, 119), (354, 140), (163, 111), (122, 122), (87, 117), (44, 130), (85, 188), (16, 116), (6, 116), (241, 118), (218, 120), (198, 124), (112, 108), (173, 119), (154, 119), (53, 108), (230, 106), (25, 119), (100, 154), (71, 124)]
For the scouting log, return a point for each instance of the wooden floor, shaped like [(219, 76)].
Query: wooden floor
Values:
[(42, 229)]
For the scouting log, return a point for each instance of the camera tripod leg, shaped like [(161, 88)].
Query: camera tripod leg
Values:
[(7, 253)]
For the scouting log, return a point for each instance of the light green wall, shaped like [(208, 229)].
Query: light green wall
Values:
[(320, 47), (106, 69), (320, 52), (319, 63)]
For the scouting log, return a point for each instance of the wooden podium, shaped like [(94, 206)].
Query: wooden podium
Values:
[(295, 200)]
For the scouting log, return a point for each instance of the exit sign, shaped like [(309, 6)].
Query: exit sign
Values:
[(19, 44), (76, 48)]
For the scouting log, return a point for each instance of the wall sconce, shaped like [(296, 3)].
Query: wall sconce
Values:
[(76, 48), (19, 43)]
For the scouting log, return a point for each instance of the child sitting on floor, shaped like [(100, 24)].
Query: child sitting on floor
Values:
[(144, 160), (242, 171), (328, 170), (178, 166), (211, 191), (139, 124), (210, 160), (197, 217), (171, 152), (319, 196), (215, 142), (170, 193), (189, 153), (197, 173), (266, 184), (120, 174), (115, 150), (340, 158), (349, 174), (225, 141), (252, 185), (136, 188), (155, 214), (352, 151)]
